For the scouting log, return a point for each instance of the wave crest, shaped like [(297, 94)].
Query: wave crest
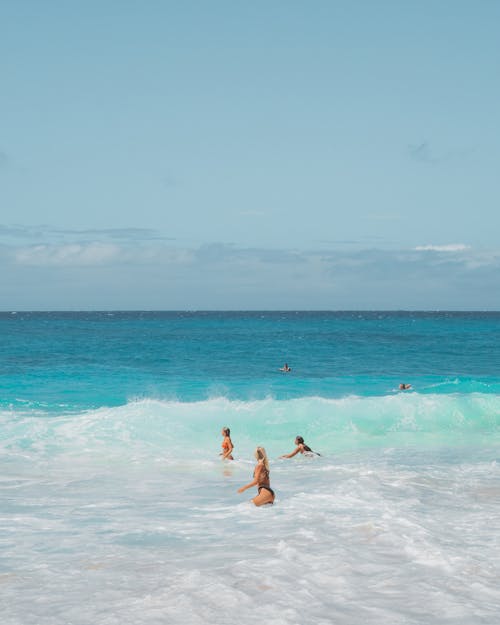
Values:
[(329, 425)]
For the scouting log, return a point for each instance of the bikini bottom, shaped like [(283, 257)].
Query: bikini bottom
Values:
[(267, 488)]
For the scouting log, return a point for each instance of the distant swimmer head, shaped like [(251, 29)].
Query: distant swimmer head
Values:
[(226, 431), (299, 440), (404, 387)]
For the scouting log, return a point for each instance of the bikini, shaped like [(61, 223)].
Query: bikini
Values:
[(261, 486), (225, 448)]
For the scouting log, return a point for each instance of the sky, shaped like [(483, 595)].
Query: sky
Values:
[(265, 155)]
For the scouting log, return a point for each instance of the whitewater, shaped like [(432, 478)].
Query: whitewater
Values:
[(116, 509)]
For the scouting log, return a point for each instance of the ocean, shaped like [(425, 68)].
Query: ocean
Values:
[(116, 509)]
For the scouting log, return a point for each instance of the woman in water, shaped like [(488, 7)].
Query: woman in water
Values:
[(227, 445), (301, 448), (261, 479)]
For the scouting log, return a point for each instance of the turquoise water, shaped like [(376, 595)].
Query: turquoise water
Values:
[(111, 485), (86, 360)]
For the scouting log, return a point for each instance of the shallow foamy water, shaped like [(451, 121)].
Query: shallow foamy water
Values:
[(115, 508), (369, 536)]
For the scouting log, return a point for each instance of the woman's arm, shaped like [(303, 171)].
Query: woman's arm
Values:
[(255, 480), (296, 451), (253, 483)]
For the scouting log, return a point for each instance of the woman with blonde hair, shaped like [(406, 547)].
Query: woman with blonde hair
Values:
[(261, 480)]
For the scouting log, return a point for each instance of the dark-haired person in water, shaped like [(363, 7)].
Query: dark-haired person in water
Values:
[(404, 387), (285, 368), (301, 448), (261, 479), (227, 445)]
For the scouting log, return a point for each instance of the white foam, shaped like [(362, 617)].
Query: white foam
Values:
[(136, 511)]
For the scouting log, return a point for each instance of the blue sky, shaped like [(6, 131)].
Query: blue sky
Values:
[(237, 155)]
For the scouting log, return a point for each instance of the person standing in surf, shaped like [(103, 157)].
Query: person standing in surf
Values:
[(227, 445), (261, 480), (301, 448)]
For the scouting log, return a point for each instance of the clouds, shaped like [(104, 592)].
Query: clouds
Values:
[(451, 247), (421, 153), (128, 273), (46, 233), (128, 234), (424, 153), (66, 255), (222, 253), (392, 269), (98, 254)]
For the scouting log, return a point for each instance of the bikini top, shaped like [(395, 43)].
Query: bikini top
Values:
[(263, 477)]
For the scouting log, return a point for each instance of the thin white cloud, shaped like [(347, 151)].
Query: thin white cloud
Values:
[(450, 247), (129, 234), (47, 234), (97, 253), (65, 255)]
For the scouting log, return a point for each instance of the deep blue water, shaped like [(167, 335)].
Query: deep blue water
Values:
[(89, 359)]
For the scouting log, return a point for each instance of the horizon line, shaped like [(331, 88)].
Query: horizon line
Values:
[(249, 310)]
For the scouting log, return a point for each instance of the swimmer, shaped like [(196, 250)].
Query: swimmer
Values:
[(227, 445), (404, 387), (301, 448), (261, 480), (285, 368)]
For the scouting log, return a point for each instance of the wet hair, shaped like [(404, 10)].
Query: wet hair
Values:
[(227, 431), (300, 441), (260, 454)]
